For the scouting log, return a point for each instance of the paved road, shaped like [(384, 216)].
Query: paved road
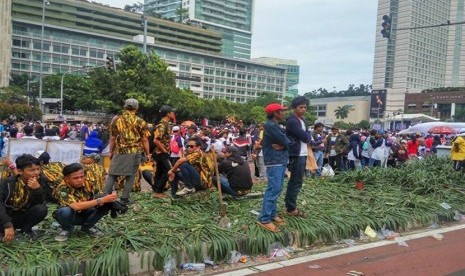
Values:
[(424, 256)]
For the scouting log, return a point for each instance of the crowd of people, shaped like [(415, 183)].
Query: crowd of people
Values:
[(187, 159)]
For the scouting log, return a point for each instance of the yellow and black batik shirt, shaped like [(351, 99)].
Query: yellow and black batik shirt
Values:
[(128, 130), (53, 173), (204, 165), (162, 133), (67, 195), (94, 177)]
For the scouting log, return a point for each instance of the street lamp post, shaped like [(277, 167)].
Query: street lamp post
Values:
[(62, 82), (44, 2)]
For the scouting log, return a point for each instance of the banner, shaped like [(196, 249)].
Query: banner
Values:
[(378, 104), (66, 152)]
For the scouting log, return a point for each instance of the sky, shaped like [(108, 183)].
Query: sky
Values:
[(332, 40)]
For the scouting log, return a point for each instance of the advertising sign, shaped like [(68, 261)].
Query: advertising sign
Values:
[(378, 104)]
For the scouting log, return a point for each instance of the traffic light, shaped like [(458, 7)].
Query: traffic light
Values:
[(110, 64), (386, 31)]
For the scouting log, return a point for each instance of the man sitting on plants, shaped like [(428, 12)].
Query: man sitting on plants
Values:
[(196, 169), (236, 179), (78, 204), (22, 199)]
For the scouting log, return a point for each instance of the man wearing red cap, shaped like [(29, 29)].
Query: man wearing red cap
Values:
[(276, 156)]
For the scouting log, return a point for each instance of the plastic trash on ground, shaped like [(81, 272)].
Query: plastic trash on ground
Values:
[(277, 251), (434, 225), (234, 257), (401, 241), (438, 237), (349, 242), (362, 236), (225, 223), (445, 205), (169, 267), (459, 217), (209, 262), (388, 234), (370, 232), (253, 212), (314, 266), (193, 266)]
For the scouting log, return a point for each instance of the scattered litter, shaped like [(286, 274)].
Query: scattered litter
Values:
[(254, 212), (137, 208), (349, 242), (459, 217), (370, 232), (366, 258), (434, 225), (355, 273), (362, 236), (169, 267), (243, 259), (209, 262), (438, 237), (277, 251), (225, 223), (445, 206), (315, 266), (304, 203), (388, 234), (234, 257), (401, 241), (193, 266)]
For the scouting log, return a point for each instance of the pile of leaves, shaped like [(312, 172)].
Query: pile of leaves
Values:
[(189, 230)]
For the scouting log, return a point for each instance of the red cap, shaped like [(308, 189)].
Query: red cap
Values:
[(274, 107)]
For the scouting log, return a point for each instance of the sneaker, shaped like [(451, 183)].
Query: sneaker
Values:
[(93, 232), (63, 236), (159, 195), (186, 191)]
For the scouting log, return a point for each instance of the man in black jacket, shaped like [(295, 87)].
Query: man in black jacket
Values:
[(236, 179), (296, 130), (22, 199)]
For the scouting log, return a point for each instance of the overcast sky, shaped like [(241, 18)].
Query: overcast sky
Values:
[(333, 40)]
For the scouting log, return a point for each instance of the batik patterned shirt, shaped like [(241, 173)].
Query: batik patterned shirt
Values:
[(204, 165), (128, 130), (162, 133)]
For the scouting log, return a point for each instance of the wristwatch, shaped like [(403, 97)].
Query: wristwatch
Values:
[(99, 201)]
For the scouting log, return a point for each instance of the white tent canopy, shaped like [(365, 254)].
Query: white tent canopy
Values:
[(424, 127), (413, 117)]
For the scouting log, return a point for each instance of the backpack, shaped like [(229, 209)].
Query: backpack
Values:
[(174, 147)]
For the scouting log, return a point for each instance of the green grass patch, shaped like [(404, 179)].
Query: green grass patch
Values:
[(188, 228)]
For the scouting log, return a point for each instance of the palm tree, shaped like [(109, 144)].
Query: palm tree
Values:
[(182, 13), (342, 112)]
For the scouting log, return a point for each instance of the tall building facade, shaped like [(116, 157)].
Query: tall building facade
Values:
[(293, 72), (416, 58), (5, 42), (79, 33), (233, 18)]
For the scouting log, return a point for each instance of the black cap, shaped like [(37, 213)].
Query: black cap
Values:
[(165, 109), (232, 149)]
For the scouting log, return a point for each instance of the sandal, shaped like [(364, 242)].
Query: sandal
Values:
[(269, 226), (279, 221), (296, 213)]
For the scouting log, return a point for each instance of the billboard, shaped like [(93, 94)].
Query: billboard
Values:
[(378, 104)]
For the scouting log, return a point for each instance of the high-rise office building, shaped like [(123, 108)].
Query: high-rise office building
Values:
[(233, 18), (292, 69), (5, 42), (79, 33), (416, 58)]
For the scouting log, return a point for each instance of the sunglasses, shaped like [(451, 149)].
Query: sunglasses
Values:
[(191, 146)]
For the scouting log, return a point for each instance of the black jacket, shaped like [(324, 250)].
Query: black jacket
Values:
[(6, 191), (237, 171), (295, 133)]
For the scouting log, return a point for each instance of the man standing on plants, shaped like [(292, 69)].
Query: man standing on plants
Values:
[(78, 205), (128, 139), (22, 199), (318, 146), (275, 149), (296, 130), (161, 139), (337, 145)]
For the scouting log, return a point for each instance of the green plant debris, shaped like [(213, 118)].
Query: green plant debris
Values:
[(188, 228)]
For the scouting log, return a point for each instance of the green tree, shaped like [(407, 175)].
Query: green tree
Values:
[(182, 14), (342, 112)]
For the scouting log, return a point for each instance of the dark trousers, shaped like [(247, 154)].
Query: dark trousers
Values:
[(297, 169), (161, 175), (337, 162), (67, 217), (27, 219), (173, 160)]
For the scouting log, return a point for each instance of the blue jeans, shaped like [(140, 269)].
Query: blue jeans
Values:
[(275, 176), (67, 217), (297, 169), (374, 163), (190, 176), (225, 187), (318, 155)]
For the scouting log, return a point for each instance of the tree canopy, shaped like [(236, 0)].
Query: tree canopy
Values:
[(352, 90)]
